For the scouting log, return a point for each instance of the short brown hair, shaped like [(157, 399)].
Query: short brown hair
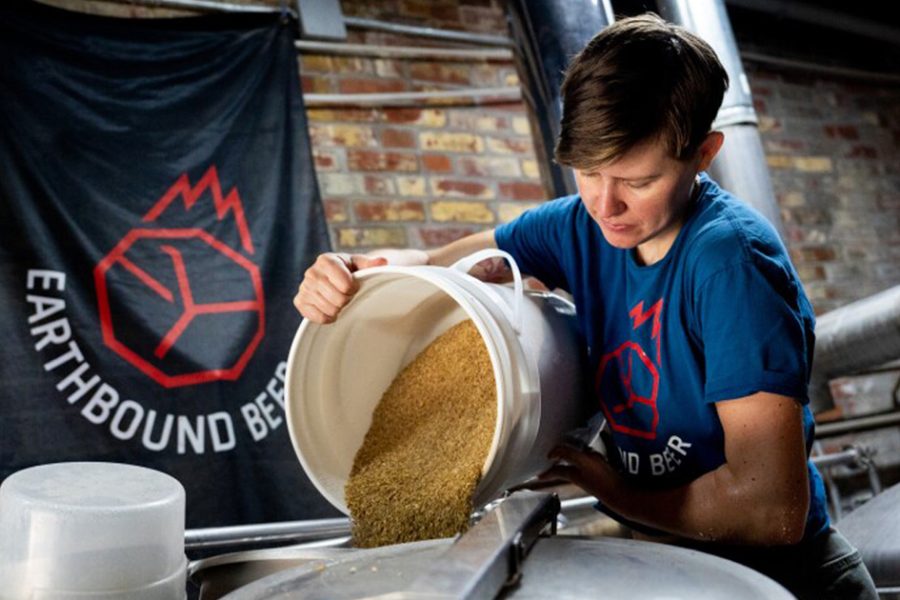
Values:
[(638, 79)]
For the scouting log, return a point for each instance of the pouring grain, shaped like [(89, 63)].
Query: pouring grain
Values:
[(416, 472)]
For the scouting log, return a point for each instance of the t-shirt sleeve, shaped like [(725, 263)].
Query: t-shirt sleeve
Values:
[(534, 241), (753, 337)]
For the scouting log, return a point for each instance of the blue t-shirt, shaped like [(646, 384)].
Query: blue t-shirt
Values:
[(721, 316)]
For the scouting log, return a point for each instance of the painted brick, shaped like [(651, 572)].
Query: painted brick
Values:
[(442, 187), (769, 124), (509, 107), (385, 67), (335, 210), (489, 166), (411, 186), (370, 86), (369, 160), (437, 163), (530, 169), (353, 136), (845, 132), (397, 138), (522, 191), (315, 85), (521, 125), (861, 151), (379, 185), (507, 211), (781, 146), (429, 9), (389, 211), (810, 272), (809, 164), (434, 237), (431, 117), (352, 65), (511, 79), (475, 121), (338, 184), (807, 216), (451, 142), (813, 164), (440, 72), (815, 253), (510, 145), (371, 237), (326, 160), (330, 115), (315, 63), (482, 19), (485, 76), (780, 161), (461, 212), (791, 199)]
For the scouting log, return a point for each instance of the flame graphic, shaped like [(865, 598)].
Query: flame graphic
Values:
[(223, 204)]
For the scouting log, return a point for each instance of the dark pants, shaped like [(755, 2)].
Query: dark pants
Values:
[(826, 567)]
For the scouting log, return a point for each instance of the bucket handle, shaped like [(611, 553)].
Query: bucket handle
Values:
[(466, 263)]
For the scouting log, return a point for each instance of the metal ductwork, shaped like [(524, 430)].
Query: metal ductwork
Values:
[(859, 336), (548, 35), (741, 165)]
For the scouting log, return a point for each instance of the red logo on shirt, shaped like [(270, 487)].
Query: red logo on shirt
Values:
[(628, 377)]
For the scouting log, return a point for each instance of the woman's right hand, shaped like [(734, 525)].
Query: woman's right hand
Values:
[(328, 285)]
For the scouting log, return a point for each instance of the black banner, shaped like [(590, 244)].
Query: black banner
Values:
[(158, 204)]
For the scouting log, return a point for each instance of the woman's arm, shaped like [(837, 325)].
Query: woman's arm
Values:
[(328, 285), (760, 495)]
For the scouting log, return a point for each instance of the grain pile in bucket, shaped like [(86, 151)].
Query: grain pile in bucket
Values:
[(415, 474)]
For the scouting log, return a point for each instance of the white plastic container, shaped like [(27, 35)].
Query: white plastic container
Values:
[(92, 530), (337, 373)]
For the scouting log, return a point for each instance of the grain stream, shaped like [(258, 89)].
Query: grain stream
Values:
[(415, 474)]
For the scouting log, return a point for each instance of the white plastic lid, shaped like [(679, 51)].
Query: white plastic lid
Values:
[(67, 529)]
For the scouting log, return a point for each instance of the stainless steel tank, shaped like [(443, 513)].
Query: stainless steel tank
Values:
[(510, 553)]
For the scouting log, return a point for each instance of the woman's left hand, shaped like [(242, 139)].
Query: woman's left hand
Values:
[(587, 469)]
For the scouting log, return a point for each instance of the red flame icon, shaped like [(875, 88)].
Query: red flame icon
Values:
[(179, 304)]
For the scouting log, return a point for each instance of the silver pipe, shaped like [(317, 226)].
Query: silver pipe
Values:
[(577, 503), (741, 165), (429, 32), (266, 532), (858, 424), (501, 54), (857, 336), (206, 6), (850, 456), (819, 15), (477, 96), (810, 67)]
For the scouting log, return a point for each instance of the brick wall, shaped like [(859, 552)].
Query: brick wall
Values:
[(423, 176), (833, 148)]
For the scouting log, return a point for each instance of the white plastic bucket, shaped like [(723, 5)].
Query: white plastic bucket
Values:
[(337, 373)]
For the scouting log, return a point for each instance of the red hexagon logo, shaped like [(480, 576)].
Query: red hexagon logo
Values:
[(627, 380), (179, 304)]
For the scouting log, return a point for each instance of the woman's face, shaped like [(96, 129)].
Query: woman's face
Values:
[(640, 200)]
